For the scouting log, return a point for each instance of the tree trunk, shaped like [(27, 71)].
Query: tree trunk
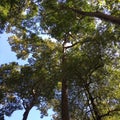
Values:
[(65, 110), (2, 116), (25, 115), (28, 107), (64, 103)]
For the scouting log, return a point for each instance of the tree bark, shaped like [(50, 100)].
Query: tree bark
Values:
[(64, 103), (25, 115), (97, 14), (65, 110)]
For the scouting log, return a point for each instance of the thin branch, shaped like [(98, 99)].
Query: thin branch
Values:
[(72, 45), (109, 112), (76, 43)]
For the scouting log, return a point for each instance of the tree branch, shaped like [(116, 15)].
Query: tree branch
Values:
[(97, 14), (76, 43), (72, 45), (109, 112)]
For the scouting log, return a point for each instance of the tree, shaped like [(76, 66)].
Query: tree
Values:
[(90, 41), (89, 83), (61, 22), (33, 85), (9, 101)]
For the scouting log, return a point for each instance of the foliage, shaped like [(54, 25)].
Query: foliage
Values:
[(33, 84), (13, 12), (83, 58)]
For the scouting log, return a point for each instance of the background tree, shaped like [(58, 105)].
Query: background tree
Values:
[(34, 84)]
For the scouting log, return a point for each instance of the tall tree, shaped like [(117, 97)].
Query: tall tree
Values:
[(67, 27), (74, 23)]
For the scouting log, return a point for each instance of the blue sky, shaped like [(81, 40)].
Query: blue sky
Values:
[(33, 115), (6, 56)]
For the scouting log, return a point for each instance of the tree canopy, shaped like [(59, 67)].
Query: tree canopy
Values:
[(75, 71)]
